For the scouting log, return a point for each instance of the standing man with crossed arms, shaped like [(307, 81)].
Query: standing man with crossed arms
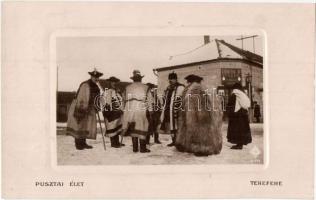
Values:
[(172, 103)]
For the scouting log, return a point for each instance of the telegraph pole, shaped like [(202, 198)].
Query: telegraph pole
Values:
[(244, 38), (249, 75)]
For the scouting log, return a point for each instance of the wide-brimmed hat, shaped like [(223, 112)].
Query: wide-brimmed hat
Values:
[(150, 85), (172, 75), (95, 73), (113, 79), (193, 77), (136, 74)]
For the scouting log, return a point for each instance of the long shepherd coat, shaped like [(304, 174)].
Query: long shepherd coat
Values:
[(238, 131), (137, 102), (200, 122), (171, 105), (112, 112), (82, 123)]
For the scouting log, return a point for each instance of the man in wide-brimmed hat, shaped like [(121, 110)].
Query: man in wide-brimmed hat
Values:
[(82, 121), (154, 118), (172, 103), (112, 111), (138, 101)]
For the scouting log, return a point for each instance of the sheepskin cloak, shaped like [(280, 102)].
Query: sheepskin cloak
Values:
[(138, 102), (112, 112), (200, 122), (82, 123)]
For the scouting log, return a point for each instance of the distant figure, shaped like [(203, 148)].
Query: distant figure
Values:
[(138, 101), (238, 131), (82, 123), (200, 120), (171, 105), (154, 118), (256, 112), (112, 112)]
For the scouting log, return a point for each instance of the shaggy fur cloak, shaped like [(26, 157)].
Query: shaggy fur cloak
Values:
[(200, 122)]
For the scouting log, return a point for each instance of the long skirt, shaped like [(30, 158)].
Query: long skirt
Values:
[(238, 131)]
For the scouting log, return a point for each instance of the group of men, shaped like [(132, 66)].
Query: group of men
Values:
[(136, 112)]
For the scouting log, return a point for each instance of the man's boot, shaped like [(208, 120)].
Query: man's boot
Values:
[(147, 139), (135, 144), (143, 148), (118, 141), (173, 137), (78, 144), (114, 142), (173, 141), (156, 138), (85, 145)]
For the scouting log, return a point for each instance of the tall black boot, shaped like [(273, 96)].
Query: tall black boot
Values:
[(119, 142), (156, 138), (173, 139), (143, 148), (112, 142), (79, 144), (115, 142), (85, 145), (135, 144), (118, 139), (147, 139)]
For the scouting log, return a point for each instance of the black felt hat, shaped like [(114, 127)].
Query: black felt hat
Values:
[(172, 75), (136, 74), (113, 79), (193, 78), (95, 73)]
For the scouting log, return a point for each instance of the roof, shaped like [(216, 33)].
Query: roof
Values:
[(207, 61), (245, 54), (216, 50)]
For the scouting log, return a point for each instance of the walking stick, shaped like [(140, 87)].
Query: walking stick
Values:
[(101, 130)]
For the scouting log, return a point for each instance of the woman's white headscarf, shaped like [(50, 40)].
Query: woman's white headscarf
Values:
[(242, 100)]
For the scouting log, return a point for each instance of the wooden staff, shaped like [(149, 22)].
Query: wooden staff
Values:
[(101, 130)]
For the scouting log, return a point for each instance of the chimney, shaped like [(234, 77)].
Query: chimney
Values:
[(206, 39)]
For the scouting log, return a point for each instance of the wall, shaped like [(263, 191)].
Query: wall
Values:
[(211, 73)]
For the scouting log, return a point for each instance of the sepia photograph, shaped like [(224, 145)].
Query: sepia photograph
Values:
[(160, 100), (157, 100)]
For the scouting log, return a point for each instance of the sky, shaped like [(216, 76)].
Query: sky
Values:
[(119, 56)]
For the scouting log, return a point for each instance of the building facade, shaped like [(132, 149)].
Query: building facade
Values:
[(219, 74)]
